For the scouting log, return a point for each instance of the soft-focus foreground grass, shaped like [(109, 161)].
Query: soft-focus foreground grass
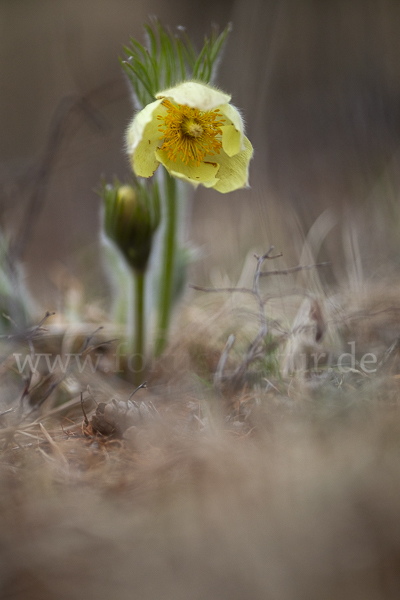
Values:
[(284, 485)]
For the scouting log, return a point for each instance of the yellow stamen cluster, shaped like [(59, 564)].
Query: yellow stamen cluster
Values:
[(189, 133)]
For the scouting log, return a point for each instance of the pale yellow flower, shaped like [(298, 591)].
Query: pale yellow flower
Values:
[(194, 132)]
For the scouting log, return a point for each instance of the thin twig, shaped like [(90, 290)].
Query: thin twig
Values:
[(255, 348), (243, 290), (28, 335), (295, 269), (199, 288)]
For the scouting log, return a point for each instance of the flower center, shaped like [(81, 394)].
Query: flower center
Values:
[(193, 128), (189, 133)]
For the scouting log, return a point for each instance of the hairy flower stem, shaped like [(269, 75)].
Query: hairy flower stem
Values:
[(168, 263), (139, 323)]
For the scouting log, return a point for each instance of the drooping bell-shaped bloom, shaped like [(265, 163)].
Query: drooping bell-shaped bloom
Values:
[(194, 132)]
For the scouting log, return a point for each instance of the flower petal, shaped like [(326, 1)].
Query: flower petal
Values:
[(143, 138), (234, 171), (205, 173), (232, 133), (195, 95)]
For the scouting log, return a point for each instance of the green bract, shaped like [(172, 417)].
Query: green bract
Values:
[(193, 131)]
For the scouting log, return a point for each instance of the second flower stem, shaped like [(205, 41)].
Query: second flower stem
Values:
[(168, 263), (139, 339)]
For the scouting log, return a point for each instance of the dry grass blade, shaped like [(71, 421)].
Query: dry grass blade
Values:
[(222, 362), (54, 446)]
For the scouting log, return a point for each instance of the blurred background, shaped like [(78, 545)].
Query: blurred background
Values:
[(318, 84)]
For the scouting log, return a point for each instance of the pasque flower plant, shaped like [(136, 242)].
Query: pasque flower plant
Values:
[(188, 127), (195, 133)]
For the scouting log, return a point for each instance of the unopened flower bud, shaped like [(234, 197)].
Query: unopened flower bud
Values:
[(132, 214)]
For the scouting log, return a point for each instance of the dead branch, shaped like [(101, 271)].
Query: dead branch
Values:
[(257, 347)]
